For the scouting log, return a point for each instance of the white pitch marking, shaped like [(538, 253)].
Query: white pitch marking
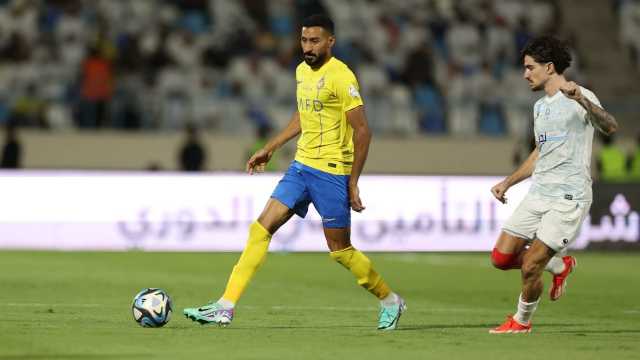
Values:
[(632, 311)]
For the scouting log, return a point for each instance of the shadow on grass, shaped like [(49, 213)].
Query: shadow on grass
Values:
[(597, 331), (471, 326), (301, 327), (440, 327)]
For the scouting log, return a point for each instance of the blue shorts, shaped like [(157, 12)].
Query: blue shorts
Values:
[(329, 194)]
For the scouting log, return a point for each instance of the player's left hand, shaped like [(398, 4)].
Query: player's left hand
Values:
[(354, 198), (571, 90), (499, 190)]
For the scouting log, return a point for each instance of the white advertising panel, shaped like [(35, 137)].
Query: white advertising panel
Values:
[(212, 212)]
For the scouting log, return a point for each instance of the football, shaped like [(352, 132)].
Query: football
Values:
[(152, 308)]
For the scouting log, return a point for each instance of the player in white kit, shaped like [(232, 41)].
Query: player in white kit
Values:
[(546, 222)]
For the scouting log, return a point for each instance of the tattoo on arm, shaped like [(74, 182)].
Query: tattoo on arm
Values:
[(601, 119)]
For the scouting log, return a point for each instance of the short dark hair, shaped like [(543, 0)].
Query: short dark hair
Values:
[(321, 20), (546, 49)]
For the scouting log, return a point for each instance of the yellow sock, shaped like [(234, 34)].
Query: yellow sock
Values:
[(252, 257), (360, 266)]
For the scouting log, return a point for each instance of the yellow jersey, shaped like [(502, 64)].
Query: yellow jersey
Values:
[(324, 96)]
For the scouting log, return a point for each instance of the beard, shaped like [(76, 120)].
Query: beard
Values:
[(314, 60), (537, 87)]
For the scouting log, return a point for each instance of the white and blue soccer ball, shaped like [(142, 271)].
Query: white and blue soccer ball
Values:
[(152, 307)]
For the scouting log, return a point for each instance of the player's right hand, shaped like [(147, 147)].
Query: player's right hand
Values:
[(499, 190), (354, 198), (258, 161)]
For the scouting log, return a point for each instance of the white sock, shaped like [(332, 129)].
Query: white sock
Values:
[(525, 311), (226, 303), (555, 265), (391, 299)]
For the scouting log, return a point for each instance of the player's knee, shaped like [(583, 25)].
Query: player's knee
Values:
[(502, 261)]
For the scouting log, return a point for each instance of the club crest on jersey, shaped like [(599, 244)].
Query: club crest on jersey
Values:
[(542, 138), (353, 91)]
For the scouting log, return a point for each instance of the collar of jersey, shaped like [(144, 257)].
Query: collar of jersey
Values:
[(549, 99)]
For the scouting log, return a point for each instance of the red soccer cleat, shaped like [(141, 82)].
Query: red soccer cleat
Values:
[(511, 326), (559, 284)]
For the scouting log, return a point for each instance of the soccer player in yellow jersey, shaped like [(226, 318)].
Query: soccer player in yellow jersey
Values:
[(331, 153)]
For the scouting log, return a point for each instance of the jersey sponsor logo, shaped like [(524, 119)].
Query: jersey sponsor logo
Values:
[(353, 91), (310, 105), (551, 136)]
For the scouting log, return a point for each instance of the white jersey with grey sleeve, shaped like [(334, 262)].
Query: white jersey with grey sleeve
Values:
[(564, 135)]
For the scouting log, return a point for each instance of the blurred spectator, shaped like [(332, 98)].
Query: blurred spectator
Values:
[(374, 83), (499, 40), (126, 108), (192, 155), (462, 106), (491, 119), (633, 163), (20, 17), (185, 49), (510, 10), (71, 32), (12, 150), (543, 15), (419, 67), (611, 161), (29, 109), (522, 35), (430, 106), (464, 44), (96, 90), (16, 49), (629, 14)]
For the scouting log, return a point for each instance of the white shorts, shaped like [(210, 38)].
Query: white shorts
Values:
[(555, 222)]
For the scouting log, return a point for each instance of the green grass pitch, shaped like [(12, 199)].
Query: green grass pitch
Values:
[(65, 305)]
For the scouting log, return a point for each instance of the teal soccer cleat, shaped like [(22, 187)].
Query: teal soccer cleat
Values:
[(390, 315), (211, 313)]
